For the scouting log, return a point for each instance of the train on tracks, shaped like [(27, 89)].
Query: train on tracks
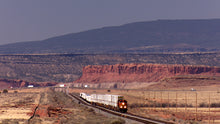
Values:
[(113, 102)]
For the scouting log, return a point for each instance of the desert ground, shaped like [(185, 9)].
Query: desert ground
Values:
[(187, 104), (17, 107)]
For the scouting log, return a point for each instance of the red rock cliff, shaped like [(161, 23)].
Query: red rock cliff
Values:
[(125, 73)]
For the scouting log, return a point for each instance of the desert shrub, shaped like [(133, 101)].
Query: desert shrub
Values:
[(10, 121), (119, 121), (35, 121), (134, 105), (182, 105), (203, 105), (90, 110), (215, 105), (189, 105), (157, 104), (109, 90), (173, 105), (185, 105), (141, 105), (15, 91), (5, 91), (165, 105), (151, 105)]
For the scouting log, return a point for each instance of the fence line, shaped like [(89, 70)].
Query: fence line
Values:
[(193, 105)]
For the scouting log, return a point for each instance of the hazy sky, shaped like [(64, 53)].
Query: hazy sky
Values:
[(30, 20)]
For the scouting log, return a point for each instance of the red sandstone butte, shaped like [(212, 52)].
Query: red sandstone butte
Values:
[(126, 73)]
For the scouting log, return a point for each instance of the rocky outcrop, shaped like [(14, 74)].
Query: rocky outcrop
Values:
[(127, 73), (10, 83)]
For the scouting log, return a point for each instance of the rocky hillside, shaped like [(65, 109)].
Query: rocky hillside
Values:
[(68, 67), (139, 37), (6, 83), (128, 73)]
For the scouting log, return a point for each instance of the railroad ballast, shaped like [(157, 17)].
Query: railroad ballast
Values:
[(114, 102)]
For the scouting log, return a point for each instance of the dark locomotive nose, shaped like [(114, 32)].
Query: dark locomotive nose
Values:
[(122, 104)]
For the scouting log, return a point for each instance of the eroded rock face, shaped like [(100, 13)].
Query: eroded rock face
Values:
[(9, 83), (126, 73)]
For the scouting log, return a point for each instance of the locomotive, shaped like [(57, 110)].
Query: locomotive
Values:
[(114, 102)]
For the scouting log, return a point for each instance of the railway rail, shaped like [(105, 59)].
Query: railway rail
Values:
[(124, 115)]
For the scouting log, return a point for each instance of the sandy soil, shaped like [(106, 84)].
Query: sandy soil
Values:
[(188, 102), (56, 107), (17, 106), (53, 108)]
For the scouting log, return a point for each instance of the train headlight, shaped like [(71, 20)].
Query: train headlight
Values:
[(123, 103), (125, 106), (120, 106)]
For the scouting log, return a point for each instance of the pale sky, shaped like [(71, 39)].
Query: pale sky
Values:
[(31, 20)]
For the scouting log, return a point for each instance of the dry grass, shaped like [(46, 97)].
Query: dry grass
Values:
[(177, 105), (64, 110), (14, 107), (17, 107), (29, 90)]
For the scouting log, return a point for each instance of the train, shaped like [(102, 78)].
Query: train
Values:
[(113, 102)]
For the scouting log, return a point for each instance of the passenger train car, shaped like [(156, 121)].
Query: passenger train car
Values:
[(114, 102)]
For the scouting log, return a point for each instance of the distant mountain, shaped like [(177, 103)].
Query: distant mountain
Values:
[(139, 37)]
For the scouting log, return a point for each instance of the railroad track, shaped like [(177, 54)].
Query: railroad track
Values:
[(125, 115)]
